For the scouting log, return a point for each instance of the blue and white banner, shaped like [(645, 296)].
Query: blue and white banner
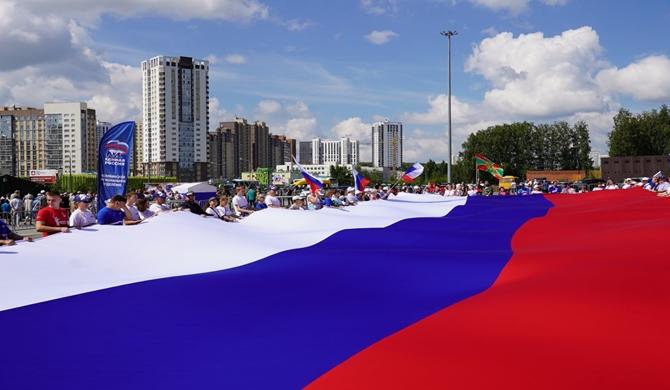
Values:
[(114, 161)]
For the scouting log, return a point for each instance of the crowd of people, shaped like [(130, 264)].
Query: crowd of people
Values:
[(58, 213), (658, 183)]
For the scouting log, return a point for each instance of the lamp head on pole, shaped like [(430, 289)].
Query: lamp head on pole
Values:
[(449, 33)]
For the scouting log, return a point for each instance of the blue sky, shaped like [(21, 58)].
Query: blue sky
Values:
[(331, 68)]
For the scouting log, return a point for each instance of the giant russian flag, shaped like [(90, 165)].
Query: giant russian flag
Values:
[(417, 292)]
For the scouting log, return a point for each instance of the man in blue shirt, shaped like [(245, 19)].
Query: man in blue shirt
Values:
[(116, 213), (8, 237), (555, 188)]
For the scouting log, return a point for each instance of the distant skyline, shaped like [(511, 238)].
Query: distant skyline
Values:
[(331, 69)]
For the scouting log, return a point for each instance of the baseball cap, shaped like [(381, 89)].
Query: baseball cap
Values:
[(273, 188), (190, 193), (350, 189), (161, 195), (82, 198), (297, 197)]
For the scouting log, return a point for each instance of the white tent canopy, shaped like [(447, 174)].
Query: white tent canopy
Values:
[(197, 188)]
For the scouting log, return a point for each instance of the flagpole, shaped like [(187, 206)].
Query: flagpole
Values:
[(476, 173), (390, 188)]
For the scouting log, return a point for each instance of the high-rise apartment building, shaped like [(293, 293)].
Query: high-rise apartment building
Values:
[(224, 153), (305, 152), (175, 117), (70, 136), (331, 152), (282, 149), (136, 153), (100, 130), (387, 144), (22, 136), (239, 146)]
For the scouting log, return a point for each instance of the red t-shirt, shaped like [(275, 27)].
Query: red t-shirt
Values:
[(50, 216)]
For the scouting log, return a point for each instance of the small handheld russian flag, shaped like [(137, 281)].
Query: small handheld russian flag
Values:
[(359, 180), (314, 183), (412, 173)]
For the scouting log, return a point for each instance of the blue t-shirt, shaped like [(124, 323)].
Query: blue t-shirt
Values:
[(554, 189), (107, 216), (261, 206), (4, 231)]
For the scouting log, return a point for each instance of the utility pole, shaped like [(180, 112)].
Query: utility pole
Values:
[(449, 34)]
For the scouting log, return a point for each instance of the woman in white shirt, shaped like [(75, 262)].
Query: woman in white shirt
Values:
[(82, 216), (240, 203), (224, 210), (143, 209), (611, 185), (271, 199)]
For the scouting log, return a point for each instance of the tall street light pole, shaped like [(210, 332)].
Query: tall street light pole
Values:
[(449, 34)]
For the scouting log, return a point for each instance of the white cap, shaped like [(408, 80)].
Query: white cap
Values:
[(385, 188), (357, 192), (368, 190), (416, 187), (297, 197), (350, 189)]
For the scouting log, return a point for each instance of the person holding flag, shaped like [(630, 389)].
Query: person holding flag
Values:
[(486, 165), (412, 173), (314, 183), (409, 176), (360, 181)]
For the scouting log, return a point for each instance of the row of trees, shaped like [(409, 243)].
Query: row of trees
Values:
[(86, 182), (518, 147), (524, 146), (645, 134)]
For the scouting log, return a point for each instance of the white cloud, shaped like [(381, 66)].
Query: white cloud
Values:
[(114, 90), (235, 59), (32, 39), (438, 113), (121, 99), (514, 7), (380, 37), (301, 128), (511, 6), (380, 7), (490, 31), (217, 114), (213, 59), (421, 146), (297, 24), (53, 60), (353, 128), (294, 119), (538, 77), (543, 79), (90, 11), (268, 107), (647, 79), (299, 110)]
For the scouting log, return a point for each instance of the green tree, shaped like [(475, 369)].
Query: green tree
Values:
[(342, 175), (644, 134), (522, 146)]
